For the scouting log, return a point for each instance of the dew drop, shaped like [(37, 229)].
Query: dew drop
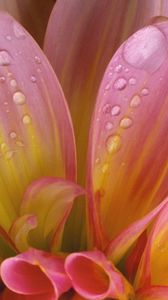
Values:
[(118, 68), (8, 37), (146, 49), (145, 92), (37, 59), (107, 87), (120, 84), (125, 123), (26, 119), (4, 147), (13, 83), (18, 31), (132, 81), (115, 111), (19, 98), (5, 58), (12, 135), (108, 126), (33, 79), (2, 79), (19, 143), (135, 101), (113, 143), (106, 108), (97, 161)]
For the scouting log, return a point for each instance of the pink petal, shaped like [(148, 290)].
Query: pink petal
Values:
[(36, 134), (128, 135), (35, 273), (153, 268), (9, 295), (55, 198), (153, 293), (80, 40), (118, 247), (93, 277)]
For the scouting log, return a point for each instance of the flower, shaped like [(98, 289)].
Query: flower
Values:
[(127, 173)]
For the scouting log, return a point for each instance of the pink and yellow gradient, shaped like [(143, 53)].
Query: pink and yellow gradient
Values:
[(127, 176)]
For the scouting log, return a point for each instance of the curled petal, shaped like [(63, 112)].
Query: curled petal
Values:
[(19, 232), (30, 97), (55, 198), (153, 268), (123, 182), (35, 273), (153, 293), (93, 277)]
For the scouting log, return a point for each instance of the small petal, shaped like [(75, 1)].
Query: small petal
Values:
[(93, 277), (35, 273), (36, 135), (55, 198), (19, 232), (153, 268), (124, 183)]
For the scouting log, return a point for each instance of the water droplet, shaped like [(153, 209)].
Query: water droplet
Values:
[(4, 147), (106, 108), (113, 143), (19, 98), (107, 87), (105, 168), (132, 81), (2, 79), (37, 59), (118, 68), (12, 135), (18, 31), (115, 111), (108, 126), (120, 84), (8, 37), (135, 101), (13, 83), (5, 58), (9, 154), (97, 161), (145, 92), (146, 49), (26, 119), (125, 123), (33, 79)]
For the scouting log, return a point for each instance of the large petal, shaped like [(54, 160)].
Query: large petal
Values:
[(153, 293), (24, 11), (36, 136), (153, 268), (35, 273), (127, 159), (93, 277), (55, 198), (80, 40)]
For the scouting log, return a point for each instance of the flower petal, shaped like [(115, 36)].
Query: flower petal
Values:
[(35, 126), (123, 182), (153, 293), (93, 277), (153, 268), (80, 40), (9, 295), (118, 247), (35, 273), (19, 232), (23, 11), (55, 198)]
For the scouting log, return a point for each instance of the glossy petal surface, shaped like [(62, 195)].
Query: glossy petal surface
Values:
[(93, 277), (128, 134), (35, 273), (35, 126)]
